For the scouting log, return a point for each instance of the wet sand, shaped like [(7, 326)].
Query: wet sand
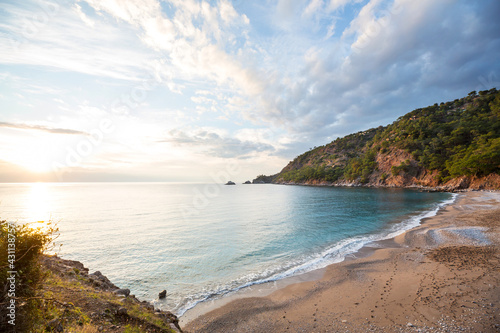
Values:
[(443, 276)]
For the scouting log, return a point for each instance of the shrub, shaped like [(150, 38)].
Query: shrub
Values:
[(404, 166), (21, 246), (383, 177)]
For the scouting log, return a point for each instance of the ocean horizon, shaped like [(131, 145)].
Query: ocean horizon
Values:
[(203, 241)]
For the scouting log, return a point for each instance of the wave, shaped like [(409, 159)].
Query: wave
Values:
[(331, 255)]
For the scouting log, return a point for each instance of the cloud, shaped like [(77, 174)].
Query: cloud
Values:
[(302, 71), (55, 37), (43, 128), (313, 7), (334, 5), (83, 16), (392, 57), (197, 40), (416, 45), (217, 145)]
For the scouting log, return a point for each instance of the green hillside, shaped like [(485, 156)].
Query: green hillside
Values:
[(428, 146)]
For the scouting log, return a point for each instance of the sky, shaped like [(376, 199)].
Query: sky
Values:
[(207, 91)]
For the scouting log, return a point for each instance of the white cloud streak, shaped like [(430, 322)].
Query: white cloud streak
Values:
[(42, 128), (60, 40)]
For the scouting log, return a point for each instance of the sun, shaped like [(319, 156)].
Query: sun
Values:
[(36, 165), (37, 208), (35, 160)]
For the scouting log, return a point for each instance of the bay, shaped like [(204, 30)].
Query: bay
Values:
[(201, 241)]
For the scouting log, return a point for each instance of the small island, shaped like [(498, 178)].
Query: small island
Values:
[(230, 183)]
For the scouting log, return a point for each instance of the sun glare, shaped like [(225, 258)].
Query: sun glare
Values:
[(37, 205), (36, 153), (36, 164)]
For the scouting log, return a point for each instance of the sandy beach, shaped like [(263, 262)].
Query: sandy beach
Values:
[(443, 276)]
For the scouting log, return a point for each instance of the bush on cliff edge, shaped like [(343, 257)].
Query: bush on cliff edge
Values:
[(21, 247)]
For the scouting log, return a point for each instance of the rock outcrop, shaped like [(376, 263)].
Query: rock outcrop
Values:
[(93, 301)]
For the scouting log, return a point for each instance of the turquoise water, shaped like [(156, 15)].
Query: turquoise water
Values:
[(200, 241)]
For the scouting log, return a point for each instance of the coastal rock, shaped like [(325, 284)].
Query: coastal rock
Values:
[(101, 281), (64, 265), (104, 310), (230, 183), (162, 294), (147, 305), (124, 292), (247, 182), (96, 283), (169, 316)]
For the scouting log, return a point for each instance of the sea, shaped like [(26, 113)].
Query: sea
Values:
[(201, 242)]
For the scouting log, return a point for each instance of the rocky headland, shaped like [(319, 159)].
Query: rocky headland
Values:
[(78, 301), (453, 146)]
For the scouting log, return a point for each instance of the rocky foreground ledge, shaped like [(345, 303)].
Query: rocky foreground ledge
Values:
[(81, 302)]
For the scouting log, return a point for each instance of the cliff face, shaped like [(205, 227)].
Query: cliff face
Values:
[(451, 146), (417, 177)]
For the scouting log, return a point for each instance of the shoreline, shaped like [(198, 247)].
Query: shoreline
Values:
[(261, 289), (423, 188), (283, 305), (267, 288)]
